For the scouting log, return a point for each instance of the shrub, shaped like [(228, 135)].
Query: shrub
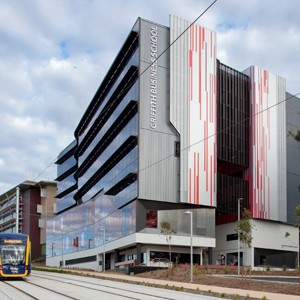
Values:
[(226, 271), (284, 268), (196, 271)]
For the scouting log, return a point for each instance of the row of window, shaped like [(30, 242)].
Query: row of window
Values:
[(127, 56)]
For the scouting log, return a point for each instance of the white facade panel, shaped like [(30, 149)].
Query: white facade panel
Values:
[(265, 234), (193, 108), (267, 155)]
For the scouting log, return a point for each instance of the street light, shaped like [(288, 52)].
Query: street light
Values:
[(238, 231), (103, 258), (17, 208), (90, 243), (53, 244), (62, 252), (191, 239)]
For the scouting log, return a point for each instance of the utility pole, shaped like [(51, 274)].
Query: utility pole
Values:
[(17, 208)]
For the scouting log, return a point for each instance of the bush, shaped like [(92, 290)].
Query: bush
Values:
[(226, 271), (284, 268), (196, 271)]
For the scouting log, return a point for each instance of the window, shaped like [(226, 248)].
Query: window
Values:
[(231, 237), (177, 149)]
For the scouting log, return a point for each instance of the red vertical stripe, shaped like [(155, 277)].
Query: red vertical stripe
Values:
[(204, 160), (200, 78), (269, 202), (211, 191), (215, 155), (196, 38), (206, 141), (198, 179), (195, 185), (190, 185), (211, 44)]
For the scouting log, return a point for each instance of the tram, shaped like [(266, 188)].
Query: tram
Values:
[(15, 255)]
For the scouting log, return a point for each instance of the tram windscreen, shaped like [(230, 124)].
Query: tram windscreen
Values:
[(12, 254)]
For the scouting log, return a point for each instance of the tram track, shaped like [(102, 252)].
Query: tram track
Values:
[(44, 286), (78, 283), (23, 292), (15, 288)]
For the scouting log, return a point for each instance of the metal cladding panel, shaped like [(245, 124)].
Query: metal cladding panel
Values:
[(267, 153), (158, 167), (193, 108)]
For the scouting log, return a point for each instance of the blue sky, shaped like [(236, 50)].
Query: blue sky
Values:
[(54, 54)]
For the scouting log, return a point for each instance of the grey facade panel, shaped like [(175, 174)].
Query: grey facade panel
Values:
[(158, 167), (179, 95), (293, 156)]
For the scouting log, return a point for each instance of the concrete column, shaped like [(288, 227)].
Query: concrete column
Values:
[(210, 255), (201, 257), (116, 254), (138, 253)]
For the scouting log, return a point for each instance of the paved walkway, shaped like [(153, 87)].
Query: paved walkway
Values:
[(192, 286)]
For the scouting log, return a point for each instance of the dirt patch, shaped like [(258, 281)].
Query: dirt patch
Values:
[(208, 277)]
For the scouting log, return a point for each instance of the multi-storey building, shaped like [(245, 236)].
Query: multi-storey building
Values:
[(171, 130), (36, 205)]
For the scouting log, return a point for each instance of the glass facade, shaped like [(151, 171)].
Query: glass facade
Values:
[(66, 183), (83, 227), (106, 175), (129, 130), (65, 202), (203, 221), (131, 95), (67, 165)]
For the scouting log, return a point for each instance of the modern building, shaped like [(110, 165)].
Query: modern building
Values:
[(36, 201), (172, 135)]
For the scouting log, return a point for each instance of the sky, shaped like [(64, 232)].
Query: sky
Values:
[(55, 53)]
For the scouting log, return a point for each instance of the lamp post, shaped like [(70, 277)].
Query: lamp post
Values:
[(62, 252), (191, 240), (238, 231), (53, 248), (17, 208), (103, 258)]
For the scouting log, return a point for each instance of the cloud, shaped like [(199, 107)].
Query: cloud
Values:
[(54, 54)]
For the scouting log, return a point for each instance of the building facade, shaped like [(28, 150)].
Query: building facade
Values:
[(170, 130), (293, 157), (36, 205)]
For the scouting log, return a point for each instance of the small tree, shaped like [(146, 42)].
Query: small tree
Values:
[(167, 231), (296, 135), (244, 228), (297, 213), (244, 231)]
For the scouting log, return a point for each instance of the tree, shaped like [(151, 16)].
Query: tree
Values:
[(296, 135), (167, 231), (244, 228), (297, 215)]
